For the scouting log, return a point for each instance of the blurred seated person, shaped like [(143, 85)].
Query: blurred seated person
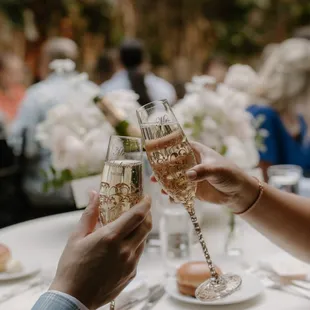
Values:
[(12, 90), (284, 87), (217, 67), (40, 98), (131, 76)]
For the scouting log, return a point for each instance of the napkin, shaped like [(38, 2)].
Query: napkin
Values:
[(137, 289), (286, 265)]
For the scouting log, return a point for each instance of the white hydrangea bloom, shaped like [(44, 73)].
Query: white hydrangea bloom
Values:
[(219, 120), (241, 78), (77, 133)]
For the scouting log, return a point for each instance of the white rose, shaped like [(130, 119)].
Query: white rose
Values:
[(243, 154), (241, 77), (69, 155), (204, 80), (58, 113)]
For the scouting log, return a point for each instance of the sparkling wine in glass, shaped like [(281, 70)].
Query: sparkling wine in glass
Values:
[(121, 183), (170, 156)]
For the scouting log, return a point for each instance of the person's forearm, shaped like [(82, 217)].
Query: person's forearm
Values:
[(283, 218)]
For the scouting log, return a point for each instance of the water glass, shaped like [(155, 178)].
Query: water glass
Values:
[(176, 234), (285, 177)]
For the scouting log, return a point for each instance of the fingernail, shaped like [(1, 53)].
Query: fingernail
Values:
[(191, 174)]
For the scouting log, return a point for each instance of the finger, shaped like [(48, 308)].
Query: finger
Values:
[(199, 148), (131, 219), (172, 200), (139, 235), (199, 173), (90, 216), (140, 250)]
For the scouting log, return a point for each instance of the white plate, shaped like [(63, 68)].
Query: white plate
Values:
[(251, 287), (29, 269)]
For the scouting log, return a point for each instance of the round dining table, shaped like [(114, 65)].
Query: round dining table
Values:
[(42, 241)]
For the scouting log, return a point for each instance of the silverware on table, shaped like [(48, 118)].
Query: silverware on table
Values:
[(284, 280), (272, 282), (135, 301), (154, 298)]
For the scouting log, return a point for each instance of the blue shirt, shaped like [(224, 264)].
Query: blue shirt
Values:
[(157, 87), (54, 300), (281, 147)]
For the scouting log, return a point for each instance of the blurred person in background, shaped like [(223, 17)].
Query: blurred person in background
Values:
[(132, 76), (39, 99), (217, 67), (105, 67), (284, 88), (12, 90), (302, 32)]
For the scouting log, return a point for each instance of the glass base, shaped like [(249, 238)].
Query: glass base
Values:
[(214, 290)]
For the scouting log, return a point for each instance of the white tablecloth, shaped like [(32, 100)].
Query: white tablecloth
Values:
[(43, 240)]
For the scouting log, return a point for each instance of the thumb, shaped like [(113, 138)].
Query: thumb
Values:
[(199, 173), (90, 216)]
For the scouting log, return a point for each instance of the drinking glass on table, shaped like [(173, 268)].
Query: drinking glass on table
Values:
[(121, 183), (176, 235), (171, 155), (285, 177)]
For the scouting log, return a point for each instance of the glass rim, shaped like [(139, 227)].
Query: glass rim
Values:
[(126, 137), (150, 105), (284, 168)]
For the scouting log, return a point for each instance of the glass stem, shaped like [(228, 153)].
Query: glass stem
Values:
[(191, 211), (112, 305)]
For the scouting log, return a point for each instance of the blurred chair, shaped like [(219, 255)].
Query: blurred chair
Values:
[(15, 206), (11, 202)]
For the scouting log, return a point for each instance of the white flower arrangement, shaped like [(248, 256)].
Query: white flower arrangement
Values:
[(219, 120), (77, 133)]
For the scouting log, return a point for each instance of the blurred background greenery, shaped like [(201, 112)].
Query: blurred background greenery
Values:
[(180, 34)]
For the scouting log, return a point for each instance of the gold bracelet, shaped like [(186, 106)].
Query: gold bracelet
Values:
[(259, 196)]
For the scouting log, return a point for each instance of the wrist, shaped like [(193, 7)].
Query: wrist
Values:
[(248, 193)]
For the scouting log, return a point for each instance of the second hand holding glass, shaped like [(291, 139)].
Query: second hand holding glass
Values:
[(170, 156), (121, 184)]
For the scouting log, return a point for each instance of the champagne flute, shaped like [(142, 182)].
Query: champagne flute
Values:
[(170, 156), (121, 183)]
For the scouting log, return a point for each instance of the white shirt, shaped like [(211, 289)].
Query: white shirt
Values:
[(157, 87)]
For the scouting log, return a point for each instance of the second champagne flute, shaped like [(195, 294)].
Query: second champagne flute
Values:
[(121, 182), (171, 155)]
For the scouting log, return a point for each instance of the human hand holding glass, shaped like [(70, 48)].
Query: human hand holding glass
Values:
[(171, 156)]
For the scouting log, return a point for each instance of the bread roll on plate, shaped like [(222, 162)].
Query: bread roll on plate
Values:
[(191, 275), (5, 256)]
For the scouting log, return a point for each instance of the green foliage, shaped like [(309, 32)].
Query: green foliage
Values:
[(261, 133), (196, 126), (54, 179)]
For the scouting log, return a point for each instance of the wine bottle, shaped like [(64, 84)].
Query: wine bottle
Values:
[(117, 118)]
